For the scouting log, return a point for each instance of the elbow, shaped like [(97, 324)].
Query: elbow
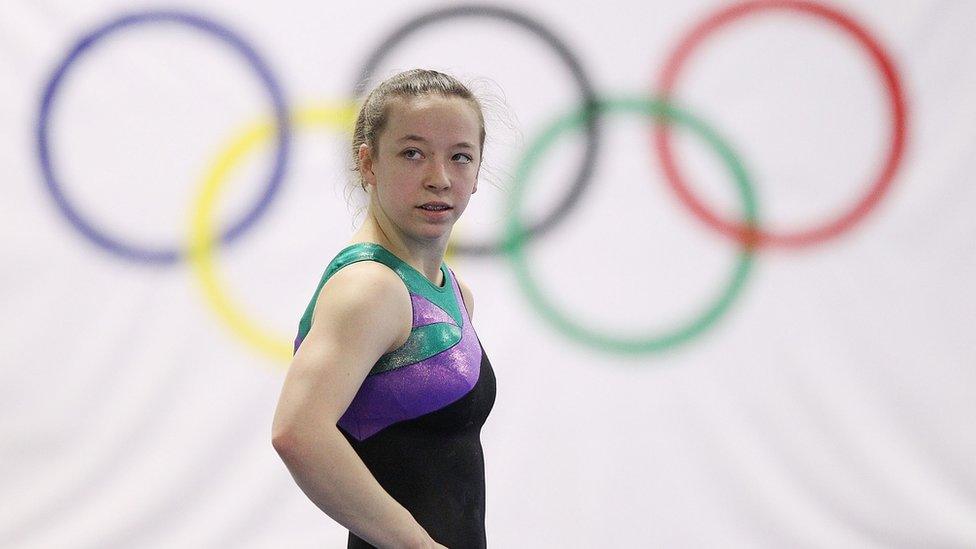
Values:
[(284, 441), (293, 441)]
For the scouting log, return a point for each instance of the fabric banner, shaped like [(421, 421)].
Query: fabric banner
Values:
[(735, 309)]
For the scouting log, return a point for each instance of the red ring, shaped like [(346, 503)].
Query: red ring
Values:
[(752, 235)]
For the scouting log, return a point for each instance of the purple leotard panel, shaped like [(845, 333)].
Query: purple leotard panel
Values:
[(416, 389)]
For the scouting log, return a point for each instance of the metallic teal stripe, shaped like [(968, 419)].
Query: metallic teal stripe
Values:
[(423, 343)]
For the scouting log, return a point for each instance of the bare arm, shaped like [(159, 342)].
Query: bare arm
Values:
[(361, 313)]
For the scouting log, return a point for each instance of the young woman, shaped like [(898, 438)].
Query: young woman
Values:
[(380, 416)]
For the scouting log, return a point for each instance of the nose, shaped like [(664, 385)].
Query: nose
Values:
[(438, 177)]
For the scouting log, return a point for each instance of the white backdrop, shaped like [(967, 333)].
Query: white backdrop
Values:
[(831, 404)]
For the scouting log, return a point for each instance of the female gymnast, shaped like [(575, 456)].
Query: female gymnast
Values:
[(380, 415)]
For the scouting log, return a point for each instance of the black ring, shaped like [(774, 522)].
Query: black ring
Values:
[(589, 100)]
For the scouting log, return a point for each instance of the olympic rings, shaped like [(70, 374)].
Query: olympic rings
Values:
[(897, 107), (106, 241), (587, 95), (589, 336), (202, 235)]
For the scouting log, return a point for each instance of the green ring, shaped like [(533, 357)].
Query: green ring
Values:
[(516, 234)]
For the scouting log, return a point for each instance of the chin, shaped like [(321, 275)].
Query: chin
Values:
[(434, 235)]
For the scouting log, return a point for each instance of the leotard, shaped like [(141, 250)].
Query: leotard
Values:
[(416, 420)]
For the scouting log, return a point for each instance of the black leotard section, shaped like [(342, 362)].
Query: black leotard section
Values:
[(433, 465)]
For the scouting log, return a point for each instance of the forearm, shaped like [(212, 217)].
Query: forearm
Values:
[(333, 476)]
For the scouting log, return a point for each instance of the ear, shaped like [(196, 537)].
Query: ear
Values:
[(366, 164)]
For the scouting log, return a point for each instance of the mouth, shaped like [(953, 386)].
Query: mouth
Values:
[(435, 207)]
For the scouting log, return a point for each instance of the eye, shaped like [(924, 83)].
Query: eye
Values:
[(464, 158), (412, 154)]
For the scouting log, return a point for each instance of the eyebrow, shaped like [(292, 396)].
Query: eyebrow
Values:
[(414, 137)]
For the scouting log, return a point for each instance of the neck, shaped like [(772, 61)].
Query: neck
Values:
[(425, 256)]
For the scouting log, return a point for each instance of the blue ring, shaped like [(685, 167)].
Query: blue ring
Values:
[(101, 238)]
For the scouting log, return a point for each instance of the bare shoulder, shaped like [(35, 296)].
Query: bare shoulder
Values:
[(364, 297), (365, 280), (362, 312), (466, 295)]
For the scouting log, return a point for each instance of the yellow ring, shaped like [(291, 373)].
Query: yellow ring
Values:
[(203, 235)]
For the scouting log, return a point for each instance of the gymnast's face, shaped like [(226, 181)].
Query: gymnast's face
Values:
[(424, 167)]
